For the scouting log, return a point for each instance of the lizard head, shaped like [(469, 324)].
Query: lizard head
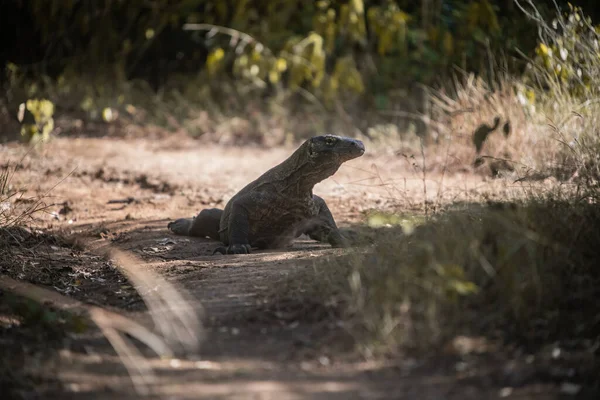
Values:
[(336, 149)]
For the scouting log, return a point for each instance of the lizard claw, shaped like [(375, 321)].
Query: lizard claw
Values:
[(233, 249)]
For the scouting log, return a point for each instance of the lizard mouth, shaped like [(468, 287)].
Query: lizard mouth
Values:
[(356, 148), (362, 148)]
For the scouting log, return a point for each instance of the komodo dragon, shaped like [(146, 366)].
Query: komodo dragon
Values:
[(278, 206)]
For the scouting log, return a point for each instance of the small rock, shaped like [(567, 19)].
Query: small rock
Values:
[(570, 389)]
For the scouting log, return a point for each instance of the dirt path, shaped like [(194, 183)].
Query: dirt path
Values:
[(245, 354)]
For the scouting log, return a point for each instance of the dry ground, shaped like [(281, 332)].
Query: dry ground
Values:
[(245, 354)]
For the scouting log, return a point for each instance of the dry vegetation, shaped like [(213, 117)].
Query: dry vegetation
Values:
[(522, 272), (518, 273), (35, 321)]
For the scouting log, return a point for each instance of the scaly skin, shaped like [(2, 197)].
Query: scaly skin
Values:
[(279, 206)]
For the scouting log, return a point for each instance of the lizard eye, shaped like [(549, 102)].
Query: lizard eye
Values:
[(330, 141)]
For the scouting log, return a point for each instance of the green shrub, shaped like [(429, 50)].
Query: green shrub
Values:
[(36, 120)]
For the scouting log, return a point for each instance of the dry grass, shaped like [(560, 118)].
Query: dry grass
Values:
[(15, 209), (519, 269), (175, 315), (523, 272), (530, 149), (177, 327), (553, 108), (527, 272)]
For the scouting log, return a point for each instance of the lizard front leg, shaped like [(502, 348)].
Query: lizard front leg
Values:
[(238, 228), (326, 229)]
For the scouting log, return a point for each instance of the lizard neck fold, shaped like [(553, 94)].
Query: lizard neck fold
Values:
[(298, 174)]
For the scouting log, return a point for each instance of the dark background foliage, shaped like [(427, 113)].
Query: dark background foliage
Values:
[(46, 37)]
